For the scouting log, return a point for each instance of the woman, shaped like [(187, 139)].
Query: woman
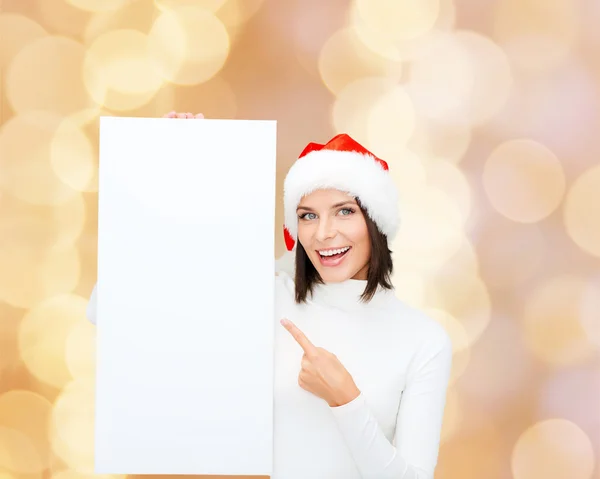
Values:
[(360, 378)]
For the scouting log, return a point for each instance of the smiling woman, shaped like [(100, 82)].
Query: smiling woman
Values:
[(339, 240), (365, 399)]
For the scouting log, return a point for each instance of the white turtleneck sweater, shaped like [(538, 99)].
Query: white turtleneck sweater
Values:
[(400, 360)]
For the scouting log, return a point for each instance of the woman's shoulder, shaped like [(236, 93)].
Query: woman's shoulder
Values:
[(284, 275), (286, 263), (283, 279), (422, 325)]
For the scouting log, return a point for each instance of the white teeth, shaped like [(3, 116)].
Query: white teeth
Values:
[(331, 252)]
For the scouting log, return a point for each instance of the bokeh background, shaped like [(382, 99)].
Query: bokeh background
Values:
[(488, 113)]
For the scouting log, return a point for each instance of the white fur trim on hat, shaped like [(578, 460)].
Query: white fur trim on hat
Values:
[(357, 174)]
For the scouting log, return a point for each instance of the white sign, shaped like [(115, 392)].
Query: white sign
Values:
[(185, 296)]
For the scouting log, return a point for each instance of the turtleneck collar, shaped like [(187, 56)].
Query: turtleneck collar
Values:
[(346, 295)]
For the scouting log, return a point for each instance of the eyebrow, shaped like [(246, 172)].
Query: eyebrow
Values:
[(337, 205)]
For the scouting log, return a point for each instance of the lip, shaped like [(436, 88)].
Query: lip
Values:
[(331, 263)]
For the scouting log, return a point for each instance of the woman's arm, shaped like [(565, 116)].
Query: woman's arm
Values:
[(418, 426)]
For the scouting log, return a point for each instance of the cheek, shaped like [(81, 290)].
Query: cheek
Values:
[(357, 233)]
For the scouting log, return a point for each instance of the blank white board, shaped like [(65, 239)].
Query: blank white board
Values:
[(185, 296)]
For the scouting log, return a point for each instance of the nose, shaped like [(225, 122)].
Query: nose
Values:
[(325, 229)]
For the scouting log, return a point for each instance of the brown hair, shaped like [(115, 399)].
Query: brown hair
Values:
[(378, 274)]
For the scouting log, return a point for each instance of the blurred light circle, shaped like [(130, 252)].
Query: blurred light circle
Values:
[(27, 278), (373, 38), (136, 15), (189, 45), (537, 34), (409, 286), (84, 172), (397, 46), (18, 453), (590, 310), (18, 31), (465, 260), (459, 76), (80, 351), (446, 177), (88, 251), (399, 20), (25, 159), (463, 295), (442, 77), (71, 428), (39, 229), (85, 117), (539, 104), (9, 327), (581, 216), (553, 449), (524, 180), (458, 336), (28, 413), (43, 335), (511, 253), (446, 19), (46, 75), (212, 5), (99, 5), (118, 71), (353, 105), (72, 156), (406, 169), (432, 230), (572, 394), (445, 139), (551, 322), (164, 101), (60, 16), (234, 13), (344, 59), (492, 77), (214, 98), (309, 35), (391, 120)]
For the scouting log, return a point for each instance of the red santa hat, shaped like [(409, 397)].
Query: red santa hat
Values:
[(345, 165)]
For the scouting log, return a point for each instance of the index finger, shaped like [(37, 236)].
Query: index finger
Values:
[(308, 347)]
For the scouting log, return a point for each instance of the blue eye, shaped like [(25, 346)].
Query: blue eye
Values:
[(305, 216), (348, 211)]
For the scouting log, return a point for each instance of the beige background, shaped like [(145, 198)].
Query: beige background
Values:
[(487, 112)]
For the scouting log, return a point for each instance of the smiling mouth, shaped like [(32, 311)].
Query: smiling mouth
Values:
[(333, 252), (333, 257)]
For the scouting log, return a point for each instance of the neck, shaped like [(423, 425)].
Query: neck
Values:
[(346, 295)]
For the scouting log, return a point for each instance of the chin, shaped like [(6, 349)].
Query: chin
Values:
[(334, 278), (334, 275)]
